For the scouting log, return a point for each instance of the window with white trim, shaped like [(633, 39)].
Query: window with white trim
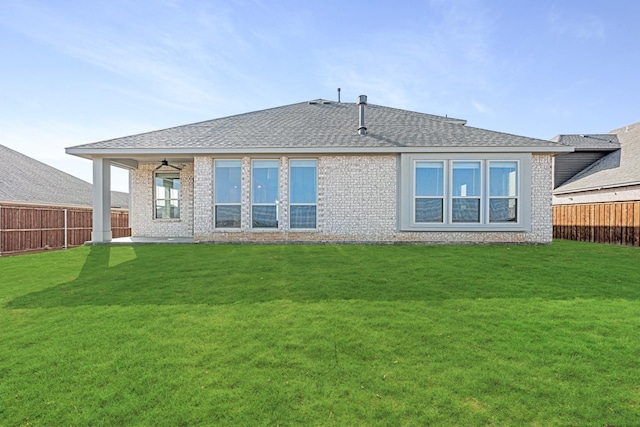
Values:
[(228, 193), (503, 191), (167, 195), (465, 192), (429, 192), (264, 193), (302, 194)]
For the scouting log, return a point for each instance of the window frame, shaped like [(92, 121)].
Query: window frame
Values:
[(275, 204), (315, 202), (215, 195), (441, 197), (451, 165), (407, 190), (156, 174), (507, 197)]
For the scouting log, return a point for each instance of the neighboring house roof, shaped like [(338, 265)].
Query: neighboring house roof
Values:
[(317, 126), (26, 180), (620, 168), (588, 149), (591, 142)]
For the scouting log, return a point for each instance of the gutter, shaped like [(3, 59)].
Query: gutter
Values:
[(115, 153)]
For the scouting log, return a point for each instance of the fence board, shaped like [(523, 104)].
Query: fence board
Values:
[(34, 228), (617, 223), (636, 222)]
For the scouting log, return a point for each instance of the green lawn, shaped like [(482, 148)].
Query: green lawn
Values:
[(248, 335)]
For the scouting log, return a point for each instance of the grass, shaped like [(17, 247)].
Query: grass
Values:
[(321, 335)]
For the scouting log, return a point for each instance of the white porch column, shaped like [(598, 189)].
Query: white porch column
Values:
[(101, 201)]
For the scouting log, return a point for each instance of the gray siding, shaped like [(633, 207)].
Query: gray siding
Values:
[(568, 165)]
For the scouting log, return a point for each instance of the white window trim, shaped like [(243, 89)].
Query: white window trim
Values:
[(443, 197), (489, 197), (406, 202), (155, 196), (276, 204), (215, 204), (315, 203), (449, 167)]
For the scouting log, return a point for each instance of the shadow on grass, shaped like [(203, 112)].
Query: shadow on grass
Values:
[(228, 274)]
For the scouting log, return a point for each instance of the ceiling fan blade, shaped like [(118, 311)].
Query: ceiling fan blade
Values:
[(164, 163)]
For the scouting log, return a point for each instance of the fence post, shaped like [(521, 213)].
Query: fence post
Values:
[(0, 230), (65, 228)]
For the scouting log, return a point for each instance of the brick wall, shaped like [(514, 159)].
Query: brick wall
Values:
[(357, 202), (202, 195), (542, 211), (142, 206)]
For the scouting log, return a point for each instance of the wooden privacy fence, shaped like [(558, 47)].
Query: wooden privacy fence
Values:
[(33, 228), (617, 223)]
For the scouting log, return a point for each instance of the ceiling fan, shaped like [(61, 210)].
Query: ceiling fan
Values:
[(164, 163)]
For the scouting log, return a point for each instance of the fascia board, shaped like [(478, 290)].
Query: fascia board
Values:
[(128, 153)]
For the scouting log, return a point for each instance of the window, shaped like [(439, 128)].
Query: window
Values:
[(503, 191), (429, 194), (228, 203), (167, 195), (264, 194), (463, 192), (302, 193)]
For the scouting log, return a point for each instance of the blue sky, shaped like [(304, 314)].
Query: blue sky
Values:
[(75, 72)]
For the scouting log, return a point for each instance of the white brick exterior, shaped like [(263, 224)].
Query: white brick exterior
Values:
[(142, 205), (541, 209), (357, 202)]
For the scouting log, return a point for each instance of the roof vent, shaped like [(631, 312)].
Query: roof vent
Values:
[(362, 102)]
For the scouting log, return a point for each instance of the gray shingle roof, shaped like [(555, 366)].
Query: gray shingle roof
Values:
[(26, 180), (318, 124), (595, 142), (617, 169)]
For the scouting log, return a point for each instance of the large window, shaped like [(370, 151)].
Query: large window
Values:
[(302, 194), (167, 195), (466, 184), (429, 192), (503, 191), (228, 203), (264, 194), (465, 192)]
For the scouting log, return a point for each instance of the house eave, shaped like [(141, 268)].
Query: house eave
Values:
[(590, 149), (131, 153)]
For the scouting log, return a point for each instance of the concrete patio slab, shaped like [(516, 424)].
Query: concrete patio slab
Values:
[(146, 241)]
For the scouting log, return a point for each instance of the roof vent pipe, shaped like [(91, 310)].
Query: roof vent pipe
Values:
[(362, 102)]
